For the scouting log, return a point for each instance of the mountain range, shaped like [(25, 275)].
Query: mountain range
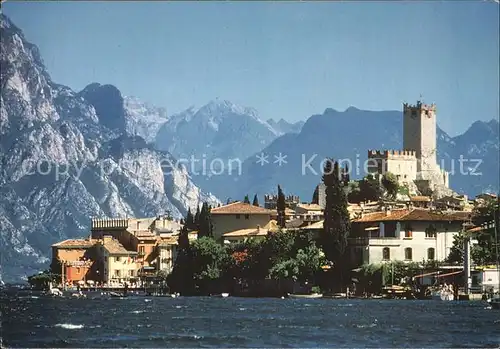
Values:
[(67, 156)]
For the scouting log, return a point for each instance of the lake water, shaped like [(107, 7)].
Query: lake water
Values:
[(152, 322)]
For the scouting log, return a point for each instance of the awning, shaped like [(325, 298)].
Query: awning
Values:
[(448, 274), (427, 274), (372, 228)]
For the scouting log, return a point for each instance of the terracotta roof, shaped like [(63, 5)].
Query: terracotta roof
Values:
[(168, 241), (420, 198), (240, 208), (113, 246), (75, 243), (247, 232), (414, 215)]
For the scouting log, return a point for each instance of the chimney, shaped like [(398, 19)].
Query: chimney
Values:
[(388, 210)]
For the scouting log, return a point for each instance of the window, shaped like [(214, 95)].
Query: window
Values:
[(247, 216), (431, 254), (386, 253), (431, 232), (78, 270), (130, 273), (237, 216), (408, 254), (117, 273), (118, 259), (408, 231), (141, 249)]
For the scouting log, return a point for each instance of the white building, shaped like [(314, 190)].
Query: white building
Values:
[(412, 235), (167, 253)]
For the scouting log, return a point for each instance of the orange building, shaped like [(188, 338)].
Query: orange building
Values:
[(72, 258)]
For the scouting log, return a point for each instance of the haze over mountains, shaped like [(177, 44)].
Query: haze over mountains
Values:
[(120, 154)]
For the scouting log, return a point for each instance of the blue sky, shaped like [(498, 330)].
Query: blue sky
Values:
[(288, 60)]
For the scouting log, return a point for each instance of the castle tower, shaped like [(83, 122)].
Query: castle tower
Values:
[(419, 134)]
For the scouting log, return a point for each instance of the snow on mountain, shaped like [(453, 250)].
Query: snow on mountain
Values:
[(219, 129), (144, 119)]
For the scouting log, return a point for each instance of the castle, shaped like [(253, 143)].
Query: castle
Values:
[(417, 163)]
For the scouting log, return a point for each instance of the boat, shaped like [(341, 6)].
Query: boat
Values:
[(117, 295), (307, 296), (223, 295), (54, 291)]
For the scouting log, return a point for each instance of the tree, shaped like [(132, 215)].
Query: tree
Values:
[(390, 183), (205, 221), (181, 278), (370, 189), (197, 218), (280, 205), (336, 224), (246, 200), (190, 220), (210, 260), (255, 200), (315, 198)]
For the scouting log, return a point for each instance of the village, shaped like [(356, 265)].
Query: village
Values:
[(418, 224)]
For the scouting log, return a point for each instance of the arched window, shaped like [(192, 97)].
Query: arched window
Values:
[(431, 254), (386, 254), (408, 254)]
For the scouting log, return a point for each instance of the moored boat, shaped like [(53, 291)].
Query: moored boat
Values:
[(307, 296)]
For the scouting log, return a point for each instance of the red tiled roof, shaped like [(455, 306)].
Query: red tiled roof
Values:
[(414, 215), (240, 208), (113, 246), (75, 243)]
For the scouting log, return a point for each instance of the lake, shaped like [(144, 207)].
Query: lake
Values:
[(153, 322)]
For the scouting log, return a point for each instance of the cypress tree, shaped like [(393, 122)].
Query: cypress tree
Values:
[(181, 278), (196, 220), (280, 205), (205, 221), (255, 200), (246, 200), (337, 224), (189, 220), (315, 198)]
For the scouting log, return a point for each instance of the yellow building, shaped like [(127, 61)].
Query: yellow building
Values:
[(238, 215), (118, 264)]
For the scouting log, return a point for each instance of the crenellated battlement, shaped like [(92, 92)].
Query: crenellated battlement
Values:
[(419, 107), (289, 198), (109, 223), (392, 154)]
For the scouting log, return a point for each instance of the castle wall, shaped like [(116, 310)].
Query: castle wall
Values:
[(401, 163)]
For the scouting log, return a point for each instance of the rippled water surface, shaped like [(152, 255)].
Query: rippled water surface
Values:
[(150, 322)]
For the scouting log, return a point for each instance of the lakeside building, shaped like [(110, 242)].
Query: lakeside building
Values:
[(404, 235), (73, 258), (238, 215), (116, 264)]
